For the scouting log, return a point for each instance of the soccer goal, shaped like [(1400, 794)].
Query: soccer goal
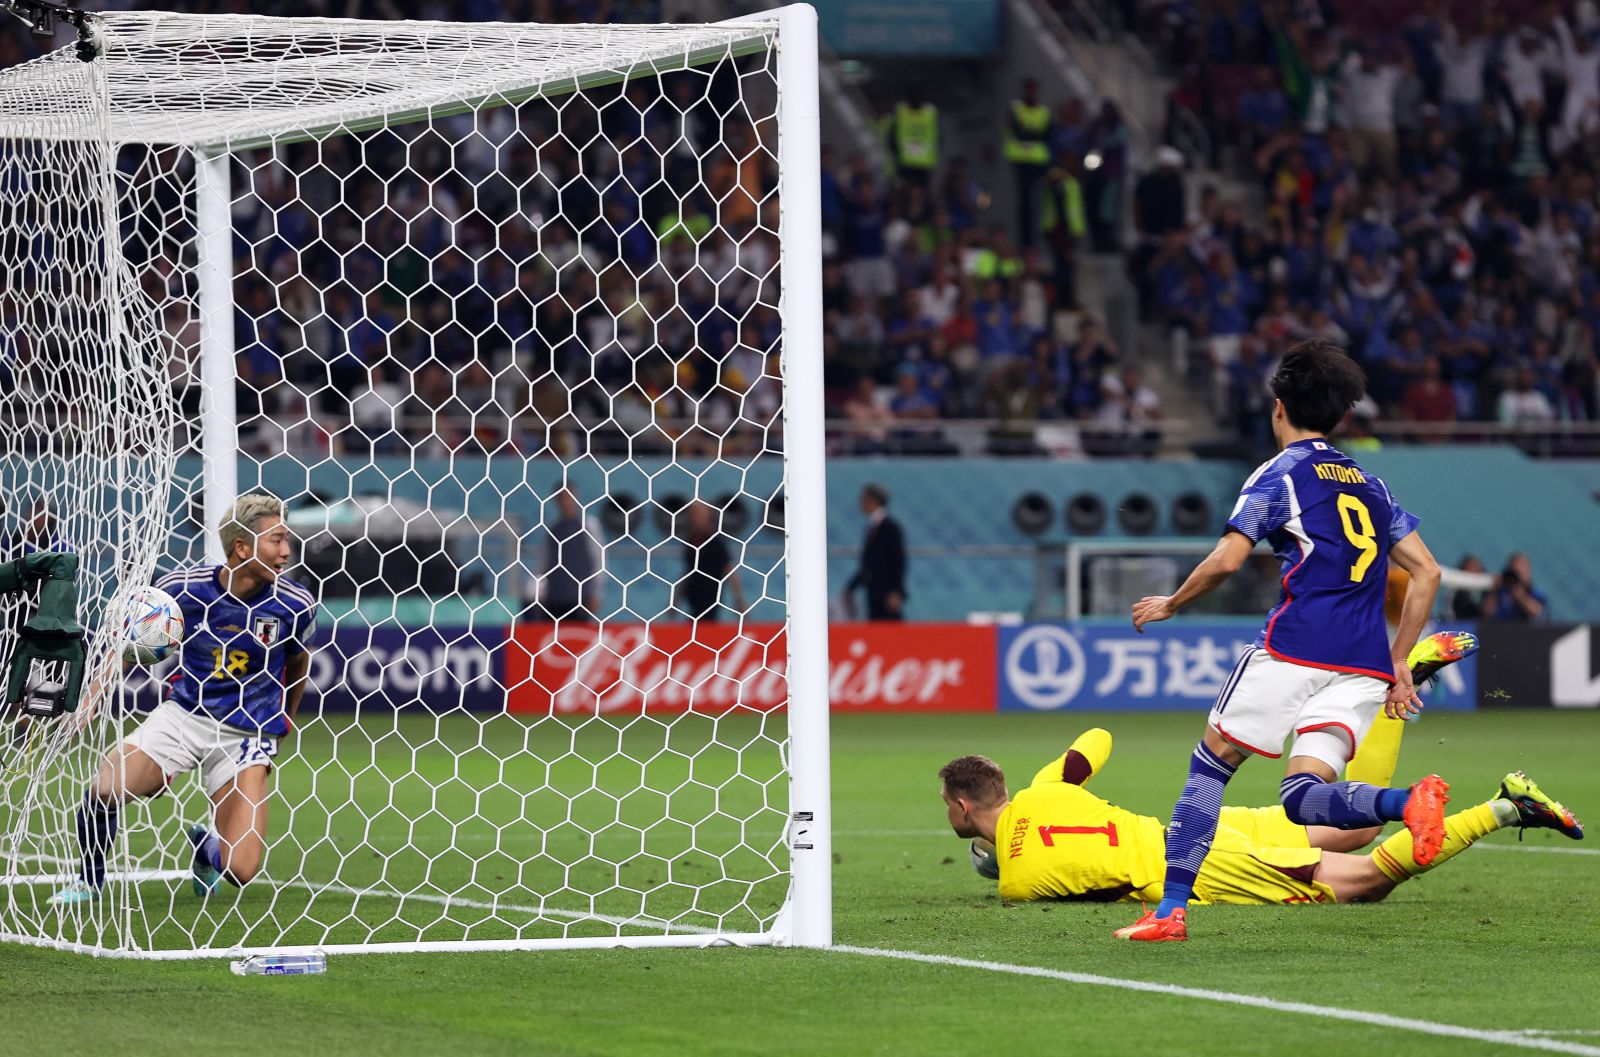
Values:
[(523, 322)]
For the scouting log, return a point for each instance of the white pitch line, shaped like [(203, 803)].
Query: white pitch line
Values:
[(1539, 848), (1556, 1031), (476, 904), (1521, 1040), (129, 876), (142, 876)]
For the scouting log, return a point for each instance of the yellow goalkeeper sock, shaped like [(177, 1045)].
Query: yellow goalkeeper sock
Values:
[(1378, 754), (1461, 831), (1095, 744)]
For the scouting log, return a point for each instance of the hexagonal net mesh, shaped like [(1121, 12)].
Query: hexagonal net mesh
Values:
[(495, 310)]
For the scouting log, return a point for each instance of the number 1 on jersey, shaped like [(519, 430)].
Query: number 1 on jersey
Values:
[(1359, 531), (1048, 834)]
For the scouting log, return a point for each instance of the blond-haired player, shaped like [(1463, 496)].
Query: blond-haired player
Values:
[(241, 672)]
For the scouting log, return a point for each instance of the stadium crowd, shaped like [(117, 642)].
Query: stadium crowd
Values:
[(352, 318), (502, 279), (1427, 196), (1427, 187)]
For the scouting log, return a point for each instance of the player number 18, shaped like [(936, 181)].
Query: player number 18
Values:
[(236, 662), (1358, 530)]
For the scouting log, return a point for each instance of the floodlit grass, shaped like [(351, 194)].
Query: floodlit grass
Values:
[(1501, 938)]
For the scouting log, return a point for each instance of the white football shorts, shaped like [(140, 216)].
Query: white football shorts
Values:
[(1265, 700), (180, 741)]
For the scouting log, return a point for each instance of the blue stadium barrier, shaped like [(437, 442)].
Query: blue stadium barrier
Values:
[(967, 555)]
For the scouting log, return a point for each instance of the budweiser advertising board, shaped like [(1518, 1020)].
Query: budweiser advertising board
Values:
[(718, 667)]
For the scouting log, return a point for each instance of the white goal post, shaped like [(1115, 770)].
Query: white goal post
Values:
[(465, 296)]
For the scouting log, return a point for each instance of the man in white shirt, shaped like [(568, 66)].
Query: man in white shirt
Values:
[(1366, 107), (1523, 405), (1126, 403), (1461, 53), (1523, 64), (1580, 65)]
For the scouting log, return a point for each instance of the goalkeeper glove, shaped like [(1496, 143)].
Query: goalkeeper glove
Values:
[(47, 667)]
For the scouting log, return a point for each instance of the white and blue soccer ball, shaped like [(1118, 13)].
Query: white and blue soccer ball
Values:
[(152, 626), (984, 859)]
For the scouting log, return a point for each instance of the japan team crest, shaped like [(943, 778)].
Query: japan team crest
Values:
[(267, 630)]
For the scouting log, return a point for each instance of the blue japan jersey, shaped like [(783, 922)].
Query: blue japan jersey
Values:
[(1331, 524), (231, 663)]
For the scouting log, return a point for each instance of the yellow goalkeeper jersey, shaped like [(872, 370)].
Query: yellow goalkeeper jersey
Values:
[(1057, 840)]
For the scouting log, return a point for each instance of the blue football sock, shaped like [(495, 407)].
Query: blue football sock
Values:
[(97, 829), (211, 851), (1313, 801), (1194, 826)]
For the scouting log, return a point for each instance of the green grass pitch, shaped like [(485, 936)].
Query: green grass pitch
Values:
[(1502, 938)]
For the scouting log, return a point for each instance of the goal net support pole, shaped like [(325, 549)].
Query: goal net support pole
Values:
[(213, 194), (811, 841)]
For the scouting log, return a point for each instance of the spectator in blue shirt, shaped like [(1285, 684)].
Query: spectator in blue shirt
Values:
[(1264, 110), (865, 219), (832, 196), (906, 336), (934, 373), (1403, 364), (1307, 265), (909, 400), (1510, 336), (962, 198), (1050, 370), (871, 273), (1467, 356), (1090, 358), (999, 329), (1372, 237), (1069, 135), (1232, 298)]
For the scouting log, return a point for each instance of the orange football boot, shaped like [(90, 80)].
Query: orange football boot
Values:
[(1152, 929), (1424, 817)]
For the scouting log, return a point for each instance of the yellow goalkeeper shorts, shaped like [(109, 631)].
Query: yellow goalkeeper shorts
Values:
[(1240, 871), (1265, 827)]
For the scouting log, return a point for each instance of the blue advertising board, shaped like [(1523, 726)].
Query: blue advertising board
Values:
[(388, 667), (1053, 667)]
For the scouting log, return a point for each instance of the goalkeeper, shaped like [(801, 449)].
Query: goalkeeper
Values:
[(242, 666), (1056, 840)]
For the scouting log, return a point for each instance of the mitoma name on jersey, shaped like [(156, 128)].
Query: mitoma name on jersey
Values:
[(1332, 471)]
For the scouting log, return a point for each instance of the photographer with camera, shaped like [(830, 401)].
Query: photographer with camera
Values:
[(1516, 598)]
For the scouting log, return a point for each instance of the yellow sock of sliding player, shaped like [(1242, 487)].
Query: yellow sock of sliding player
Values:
[(1378, 753), (1461, 830)]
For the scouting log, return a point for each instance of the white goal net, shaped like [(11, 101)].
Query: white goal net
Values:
[(521, 323)]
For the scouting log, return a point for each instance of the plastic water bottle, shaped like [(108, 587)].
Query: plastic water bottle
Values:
[(280, 965)]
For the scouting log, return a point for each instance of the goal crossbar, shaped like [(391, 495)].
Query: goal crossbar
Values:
[(313, 77)]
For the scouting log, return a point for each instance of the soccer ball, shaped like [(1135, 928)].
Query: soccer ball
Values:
[(984, 859), (152, 626)]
